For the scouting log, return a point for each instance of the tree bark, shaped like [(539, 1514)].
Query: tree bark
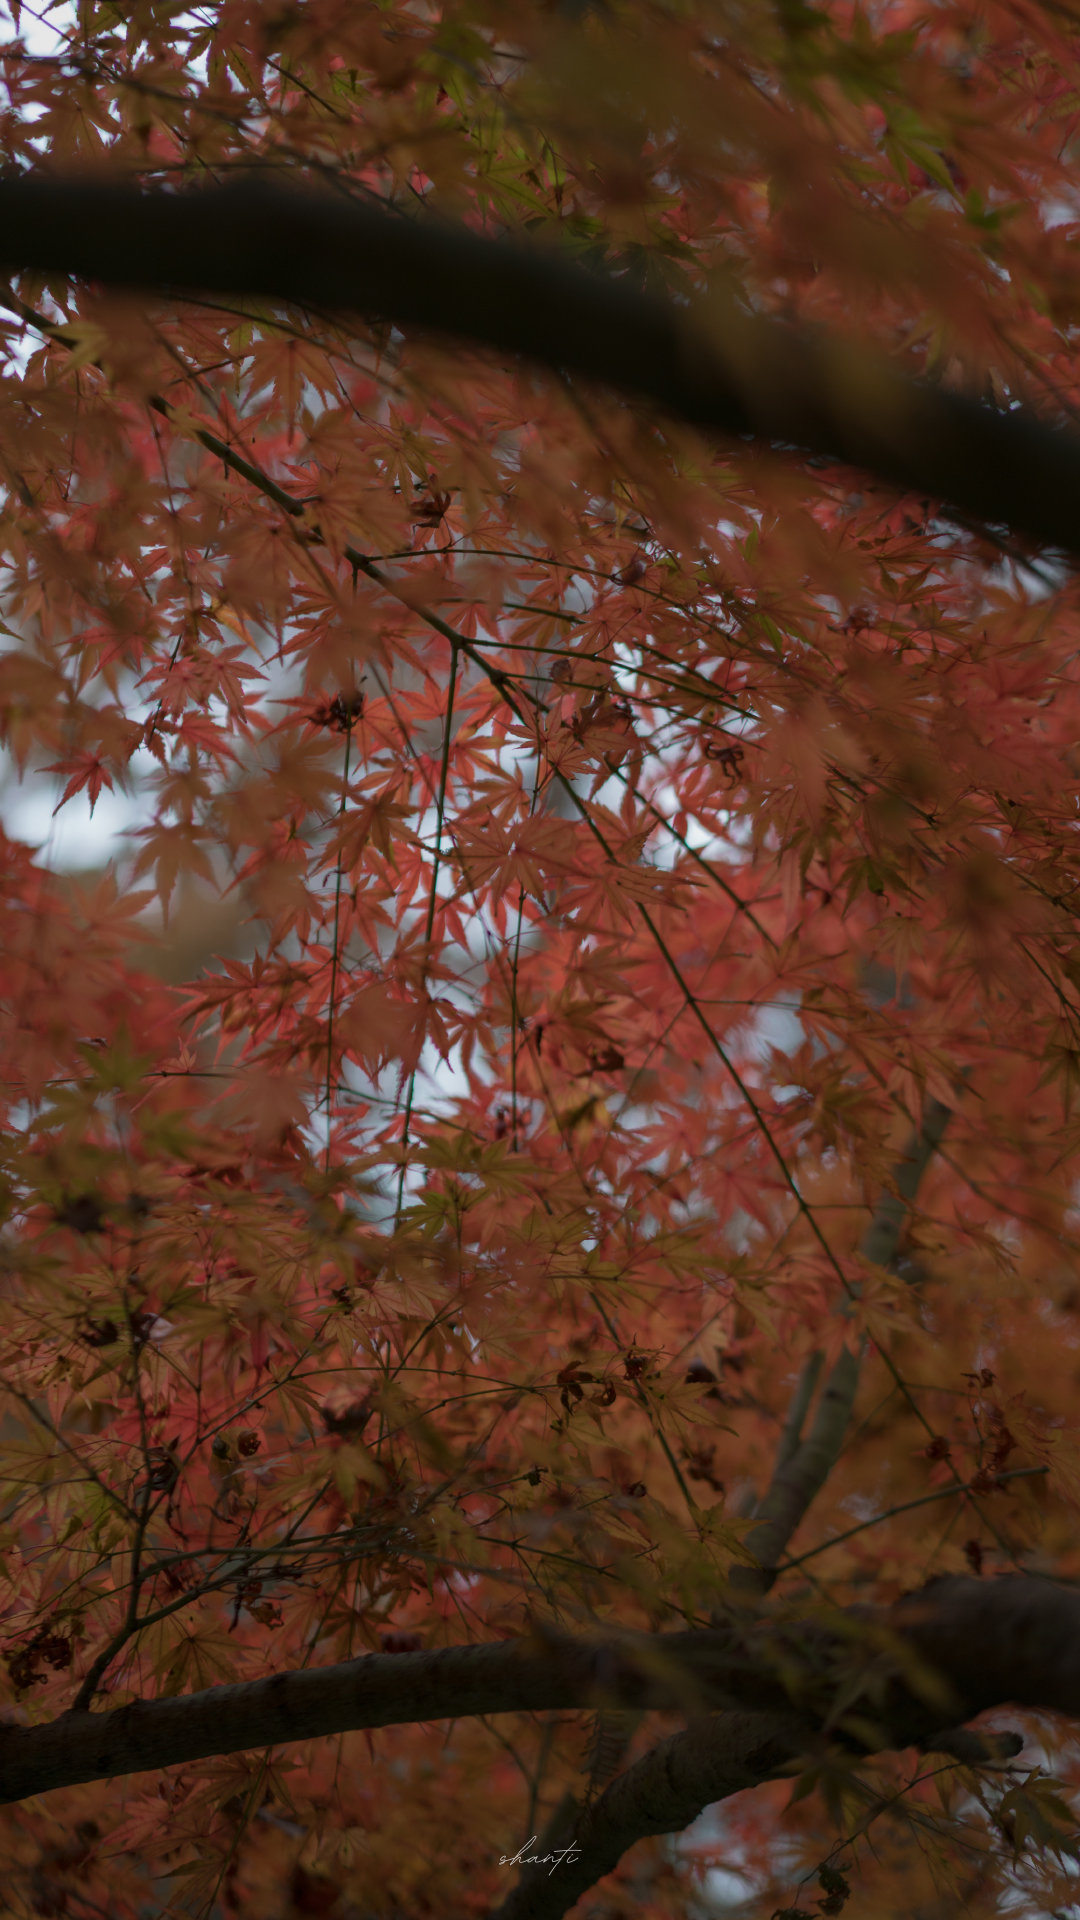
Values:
[(715, 366), (977, 1644)]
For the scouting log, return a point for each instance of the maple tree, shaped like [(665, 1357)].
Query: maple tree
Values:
[(539, 1284)]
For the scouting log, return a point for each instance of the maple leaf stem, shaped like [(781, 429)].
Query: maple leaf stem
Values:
[(335, 949), (440, 811), (904, 1506)]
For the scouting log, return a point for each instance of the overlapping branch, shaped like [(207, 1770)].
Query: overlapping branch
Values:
[(672, 1784), (804, 1465), (662, 1793), (990, 1643), (716, 365)]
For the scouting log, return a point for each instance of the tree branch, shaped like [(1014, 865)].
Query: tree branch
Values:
[(992, 1642), (674, 1671), (662, 1793), (954, 1625), (713, 365), (670, 1786), (791, 1437), (803, 1466)]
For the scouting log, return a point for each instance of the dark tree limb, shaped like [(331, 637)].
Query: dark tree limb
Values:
[(379, 1690), (662, 1793), (1014, 1640), (671, 1785), (714, 366), (953, 1619)]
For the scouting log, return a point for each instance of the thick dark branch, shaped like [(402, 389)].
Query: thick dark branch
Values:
[(1008, 1642), (676, 1671), (670, 1786), (994, 1642), (662, 1793), (952, 1626), (714, 366)]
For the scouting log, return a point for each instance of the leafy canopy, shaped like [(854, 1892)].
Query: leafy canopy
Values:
[(570, 857)]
